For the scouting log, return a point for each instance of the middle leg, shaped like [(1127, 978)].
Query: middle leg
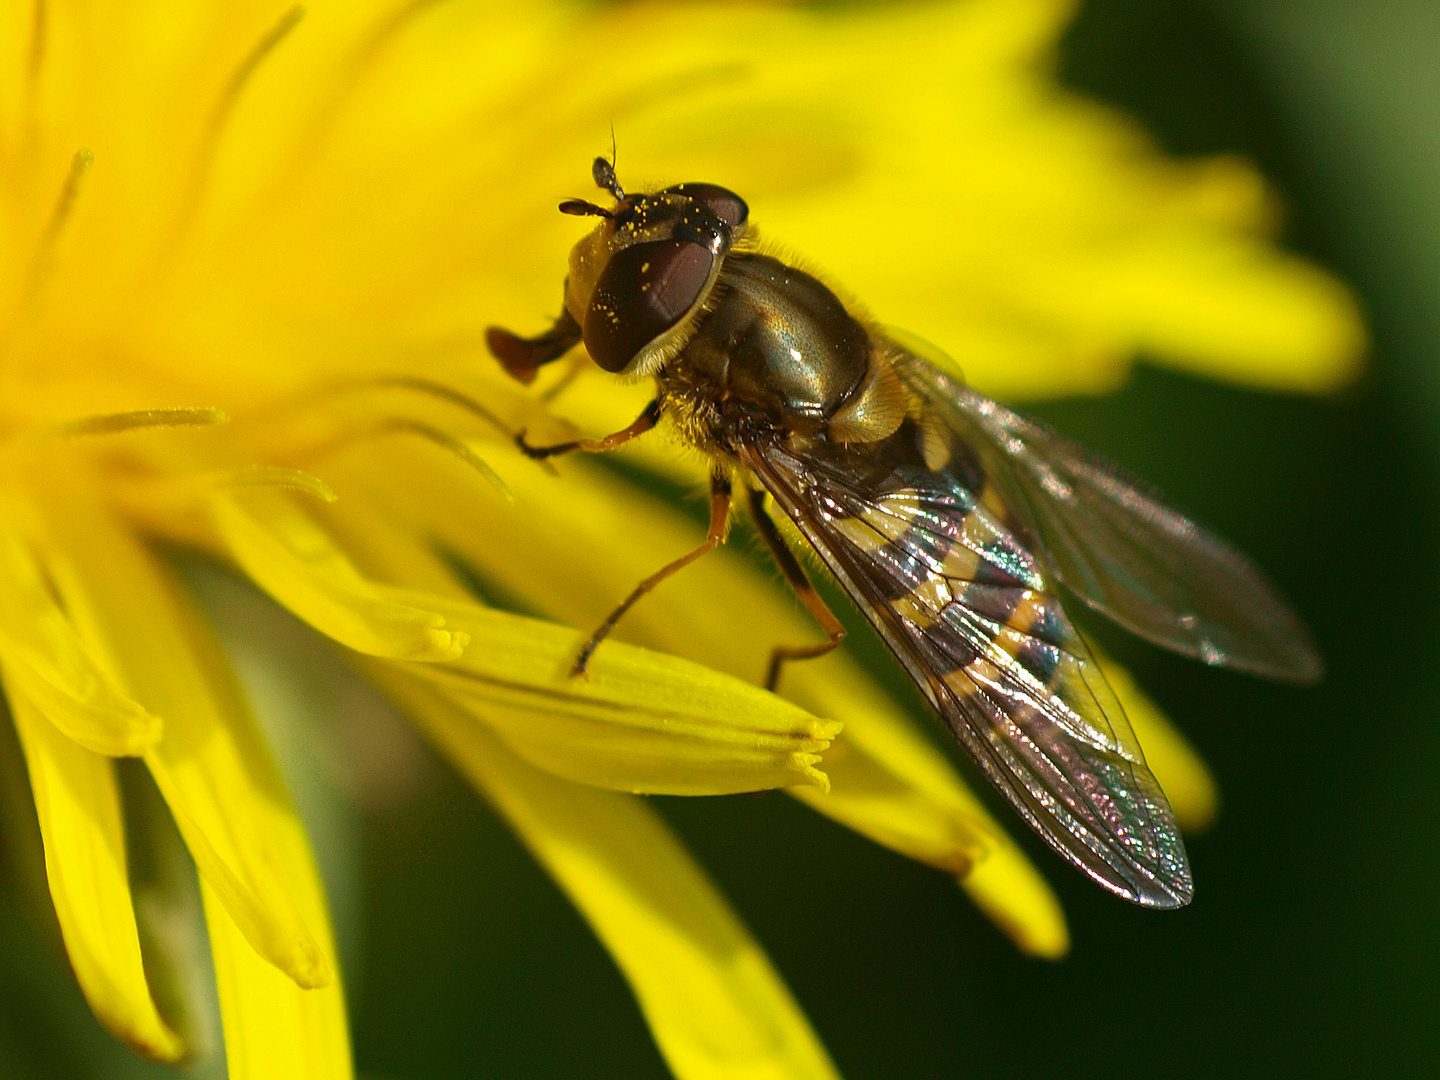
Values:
[(719, 523)]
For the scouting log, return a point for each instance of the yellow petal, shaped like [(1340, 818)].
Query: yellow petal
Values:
[(211, 765), (716, 1007), (640, 721), (889, 782), (79, 811), (1183, 775), (274, 1028), (47, 661), (281, 547)]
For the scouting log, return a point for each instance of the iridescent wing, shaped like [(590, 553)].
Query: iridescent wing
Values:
[(1112, 541), (925, 546)]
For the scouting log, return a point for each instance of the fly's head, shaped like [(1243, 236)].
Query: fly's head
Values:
[(639, 279)]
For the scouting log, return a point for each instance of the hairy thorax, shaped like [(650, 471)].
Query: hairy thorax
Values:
[(775, 350)]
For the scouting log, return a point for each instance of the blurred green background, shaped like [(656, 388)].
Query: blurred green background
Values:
[(1312, 945)]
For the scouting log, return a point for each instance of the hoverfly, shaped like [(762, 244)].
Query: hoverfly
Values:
[(948, 519)]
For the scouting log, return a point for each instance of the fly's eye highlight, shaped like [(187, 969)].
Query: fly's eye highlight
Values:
[(643, 292), (722, 202)]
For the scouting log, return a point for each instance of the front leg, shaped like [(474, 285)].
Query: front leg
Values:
[(643, 423), (522, 358)]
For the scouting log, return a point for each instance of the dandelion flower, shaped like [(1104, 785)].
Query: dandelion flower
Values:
[(248, 255)]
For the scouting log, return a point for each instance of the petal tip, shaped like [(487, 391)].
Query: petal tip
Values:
[(309, 969), (1014, 896), (443, 645), (805, 764), (148, 731), (459, 642), (155, 1042)]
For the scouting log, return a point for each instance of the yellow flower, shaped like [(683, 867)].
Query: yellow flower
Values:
[(248, 256)]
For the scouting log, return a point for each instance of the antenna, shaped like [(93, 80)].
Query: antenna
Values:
[(604, 171), (582, 208)]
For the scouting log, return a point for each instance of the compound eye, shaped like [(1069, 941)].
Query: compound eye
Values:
[(644, 291), (723, 202)]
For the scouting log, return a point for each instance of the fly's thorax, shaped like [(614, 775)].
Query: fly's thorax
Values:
[(773, 342)]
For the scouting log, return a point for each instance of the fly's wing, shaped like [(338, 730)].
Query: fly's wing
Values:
[(911, 530), (1112, 541)]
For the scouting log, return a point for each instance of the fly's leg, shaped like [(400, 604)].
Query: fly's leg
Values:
[(797, 579), (523, 357), (719, 519), (643, 423)]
